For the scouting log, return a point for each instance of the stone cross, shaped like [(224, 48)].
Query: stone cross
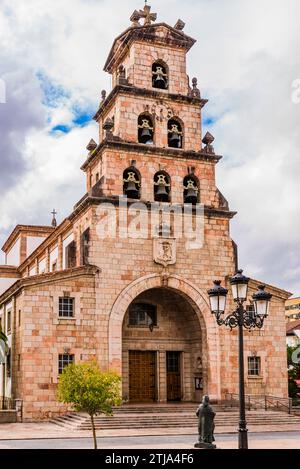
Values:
[(54, 222), (146, 13)]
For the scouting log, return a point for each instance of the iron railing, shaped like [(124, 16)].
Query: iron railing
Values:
[(253, 402), (8, 403)]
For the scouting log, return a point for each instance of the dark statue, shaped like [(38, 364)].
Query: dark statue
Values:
[(206, 425)]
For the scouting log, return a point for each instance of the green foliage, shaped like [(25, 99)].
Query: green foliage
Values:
[(3, 336), (89, 389), (293, 372)]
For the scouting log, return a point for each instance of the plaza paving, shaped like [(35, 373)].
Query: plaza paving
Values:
[(277, 440), (48, 435)]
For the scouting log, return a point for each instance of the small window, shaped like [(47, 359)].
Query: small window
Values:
[(159, 76), (162, 187), (66, 307), (65, 360), (175, 134), (145, 129), (142, 314), (71, 258), (253, 366), (19, 363), (8, 321), (97, 177), (19, 317), (85, 247), (173, 362), (131, 183)]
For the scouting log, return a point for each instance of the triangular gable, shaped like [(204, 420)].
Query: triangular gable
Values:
[(158, 33)]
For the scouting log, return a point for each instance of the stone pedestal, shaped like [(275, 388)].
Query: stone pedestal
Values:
[(205, 446)]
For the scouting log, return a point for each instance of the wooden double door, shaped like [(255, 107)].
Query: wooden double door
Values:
[(143, 372)]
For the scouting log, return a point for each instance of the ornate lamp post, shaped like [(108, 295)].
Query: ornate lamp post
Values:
[(240, 318)]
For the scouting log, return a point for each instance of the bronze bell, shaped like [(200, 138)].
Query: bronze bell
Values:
[(175, 140), (191, 196), (160, 82), (191, 192), (131, 191), (146, 136), (162, 194)]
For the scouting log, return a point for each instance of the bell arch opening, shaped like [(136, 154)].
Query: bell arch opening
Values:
[(191, 190), (160, 75), (162, 187), (164, 353), (132, 183), (145, 129), (175, 133)]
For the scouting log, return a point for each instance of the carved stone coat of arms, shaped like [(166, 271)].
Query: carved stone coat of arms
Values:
[(164, 251)]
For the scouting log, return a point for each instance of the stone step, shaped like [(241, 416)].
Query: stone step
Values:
[(180, 424), (131, 418), (169, 420), (150, 410)]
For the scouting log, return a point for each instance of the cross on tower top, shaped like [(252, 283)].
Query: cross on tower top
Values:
[(54, 222), (145, 13)]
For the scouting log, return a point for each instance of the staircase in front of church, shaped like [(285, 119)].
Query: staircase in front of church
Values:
[(172, 416)]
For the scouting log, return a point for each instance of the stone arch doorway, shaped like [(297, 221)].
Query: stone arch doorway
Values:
[(162, 349), (187, 329)]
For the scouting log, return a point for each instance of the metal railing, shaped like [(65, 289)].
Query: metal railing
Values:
[(8, 403), (253, 402)]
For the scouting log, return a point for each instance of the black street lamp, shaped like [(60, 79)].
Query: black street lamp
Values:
[(240, 318)]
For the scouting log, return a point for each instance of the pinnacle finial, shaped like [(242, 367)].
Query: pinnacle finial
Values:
[(195, 91), (208, 141), (92, 145), (179, 25)]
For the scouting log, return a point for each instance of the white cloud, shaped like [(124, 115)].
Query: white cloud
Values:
[(246, 59)]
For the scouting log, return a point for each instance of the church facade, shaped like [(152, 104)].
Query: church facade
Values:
[(123, 280)]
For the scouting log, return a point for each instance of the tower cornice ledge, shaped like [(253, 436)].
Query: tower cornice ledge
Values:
[(90, 199), (145, 93), (151, 150)]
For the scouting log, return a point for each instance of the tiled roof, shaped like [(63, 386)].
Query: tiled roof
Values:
[(291, 326)]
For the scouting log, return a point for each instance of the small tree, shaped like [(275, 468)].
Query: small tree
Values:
[(89, 390)]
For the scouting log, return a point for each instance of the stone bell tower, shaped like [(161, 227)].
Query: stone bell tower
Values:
[(151, 121), (151, 150)]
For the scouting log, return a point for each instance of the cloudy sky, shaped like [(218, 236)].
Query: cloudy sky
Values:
[(246, 60)]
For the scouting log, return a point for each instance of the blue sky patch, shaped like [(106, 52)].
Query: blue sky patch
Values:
[(53, 93), (61, 128), (82, 119), (209, 121)]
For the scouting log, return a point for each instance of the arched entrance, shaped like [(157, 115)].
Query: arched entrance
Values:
[(187, 332), (162, 356)]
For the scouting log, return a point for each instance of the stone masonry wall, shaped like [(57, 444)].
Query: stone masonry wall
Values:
[(42, 336)]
